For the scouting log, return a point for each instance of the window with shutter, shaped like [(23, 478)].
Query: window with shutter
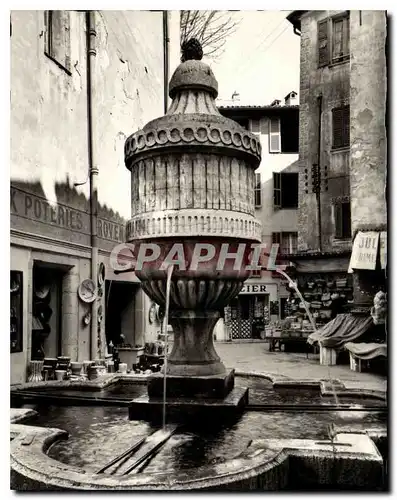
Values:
[(338, 220), (276, 238), (341, 127), (340, 38), (323, 47), (333, 39), (255, 128), (274, 135), (277, 190), (258, 190), (342, 220), (57, 38)]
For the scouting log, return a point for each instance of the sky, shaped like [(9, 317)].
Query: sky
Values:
[(260, 60)]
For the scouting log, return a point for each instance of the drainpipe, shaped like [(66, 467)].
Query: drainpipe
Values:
[(318, 195), (166, 42), (93, 170)]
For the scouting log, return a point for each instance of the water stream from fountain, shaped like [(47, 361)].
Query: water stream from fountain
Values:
[(165, 332), (294, 285)]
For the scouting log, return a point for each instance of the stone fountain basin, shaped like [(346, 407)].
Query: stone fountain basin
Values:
[(238, 464)]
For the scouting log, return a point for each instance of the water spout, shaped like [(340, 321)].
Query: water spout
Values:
[(294, 285), (165, 330)]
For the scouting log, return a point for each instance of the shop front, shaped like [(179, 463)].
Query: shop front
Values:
[(255, 307), (51, 292)]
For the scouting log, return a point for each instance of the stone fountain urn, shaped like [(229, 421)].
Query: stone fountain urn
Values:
[(192, 182)]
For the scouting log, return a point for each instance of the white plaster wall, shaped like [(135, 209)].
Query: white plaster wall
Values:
[(49, 141), (271, 220), (48, 107)]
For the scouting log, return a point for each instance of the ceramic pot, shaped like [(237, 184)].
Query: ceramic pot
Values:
[(36, 369), (76, 368), (60, 374)]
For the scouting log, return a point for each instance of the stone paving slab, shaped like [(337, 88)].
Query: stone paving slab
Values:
[(256, 357)]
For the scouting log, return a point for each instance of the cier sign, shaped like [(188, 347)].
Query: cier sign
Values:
[(250, 289)]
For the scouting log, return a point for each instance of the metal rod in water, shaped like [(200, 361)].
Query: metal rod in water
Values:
[(165, 331), (125, 455)]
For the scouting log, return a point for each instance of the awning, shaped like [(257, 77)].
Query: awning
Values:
[(366, 247), (367, 350), (342, 329)]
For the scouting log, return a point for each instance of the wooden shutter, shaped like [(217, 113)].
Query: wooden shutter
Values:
[(274, 135), (338, 220), (276, 238), (341, 127), (255, 126), (346, 126), (346, 36), (346, 220), (258, 190), (277, 190), (323, 43), (58, 37)]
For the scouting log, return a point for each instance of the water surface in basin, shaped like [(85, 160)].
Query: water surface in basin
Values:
[(98, 434)]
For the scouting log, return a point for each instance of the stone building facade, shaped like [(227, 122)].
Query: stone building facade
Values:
[(342, 140), (263, 298), (79, 83)]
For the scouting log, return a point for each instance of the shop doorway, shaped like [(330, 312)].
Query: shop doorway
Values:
[(249, 314), (120, 312), (46, 338)]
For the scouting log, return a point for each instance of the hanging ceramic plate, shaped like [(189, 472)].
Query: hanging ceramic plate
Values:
[(87, 319), (87, 291), (101, 273)]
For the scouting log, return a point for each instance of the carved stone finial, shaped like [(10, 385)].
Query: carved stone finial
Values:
[(191, 49)]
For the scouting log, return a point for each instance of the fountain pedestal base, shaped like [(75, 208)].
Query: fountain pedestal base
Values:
[(214, 386), (181, 408)]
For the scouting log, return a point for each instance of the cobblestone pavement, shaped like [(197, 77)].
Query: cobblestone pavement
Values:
[(256, 357)]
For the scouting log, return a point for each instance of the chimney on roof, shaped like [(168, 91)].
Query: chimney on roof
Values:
[(276, 102), (235, 96), (291, 98)]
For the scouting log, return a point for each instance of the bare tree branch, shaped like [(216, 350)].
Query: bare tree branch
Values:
[(210, 28)]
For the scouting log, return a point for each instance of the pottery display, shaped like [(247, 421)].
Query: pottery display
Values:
[(60, 374), (36, 371)]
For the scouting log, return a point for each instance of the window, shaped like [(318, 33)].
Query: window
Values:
[(288, 242), (290, 133), (16, 323), (285, 190), (57, 38), (258, 190), (284, 134), (255, 273), (243, 123), (341, 127), (333, 39), (255, 127), (342, 220), (274, 135)]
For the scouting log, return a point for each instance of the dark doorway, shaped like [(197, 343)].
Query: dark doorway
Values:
[(47, 309), (119, 317)]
